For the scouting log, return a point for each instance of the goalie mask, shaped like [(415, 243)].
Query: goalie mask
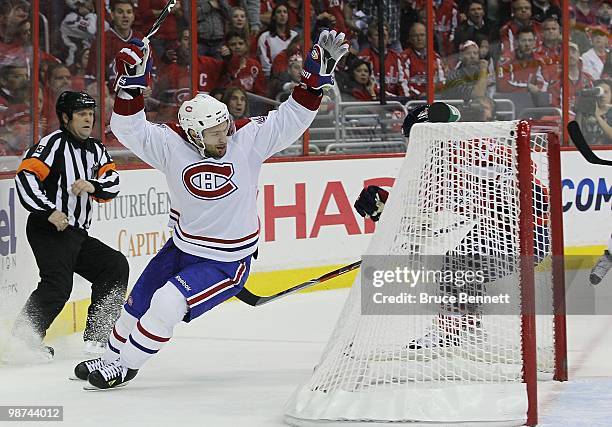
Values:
[(205, 112)]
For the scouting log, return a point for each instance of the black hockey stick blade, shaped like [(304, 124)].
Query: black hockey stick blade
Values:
[(256, 300), (578, 139), (160, 19)]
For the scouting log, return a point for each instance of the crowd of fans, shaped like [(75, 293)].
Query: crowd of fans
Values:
[(485, 49)]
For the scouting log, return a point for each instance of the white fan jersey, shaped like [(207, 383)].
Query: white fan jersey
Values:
[(214, 209)]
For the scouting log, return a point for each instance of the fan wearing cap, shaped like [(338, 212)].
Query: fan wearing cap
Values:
[(469, 78), (211, 164), (594, 59), (57, 182)]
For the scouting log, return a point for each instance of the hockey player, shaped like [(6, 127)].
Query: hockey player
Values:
[(456, 321), (212, 166), (603, 265)]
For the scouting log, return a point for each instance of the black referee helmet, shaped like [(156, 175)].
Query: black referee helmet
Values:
[(69, 102)]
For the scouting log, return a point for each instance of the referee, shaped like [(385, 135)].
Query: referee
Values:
[(57, 181)]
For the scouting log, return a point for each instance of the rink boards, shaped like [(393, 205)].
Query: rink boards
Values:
[(308, 224)]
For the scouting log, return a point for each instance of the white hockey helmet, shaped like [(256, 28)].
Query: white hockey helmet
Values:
[(200, 113)]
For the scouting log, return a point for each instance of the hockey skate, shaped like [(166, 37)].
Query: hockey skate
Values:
[(109, 376), (599, 271), (83, 369)]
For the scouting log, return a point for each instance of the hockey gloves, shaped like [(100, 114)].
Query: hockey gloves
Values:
[(371, 202), (321, 61), (133, 66)]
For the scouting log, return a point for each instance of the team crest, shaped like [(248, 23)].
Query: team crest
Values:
[(209, 181)]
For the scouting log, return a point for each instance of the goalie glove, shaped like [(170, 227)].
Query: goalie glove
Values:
[(438, 112), (320, 63), (371, 202), (133, 66)]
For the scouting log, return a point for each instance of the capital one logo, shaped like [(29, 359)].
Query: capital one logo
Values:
[(209, 181)]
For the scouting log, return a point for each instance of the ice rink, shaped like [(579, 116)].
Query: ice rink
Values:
[(237, 365)]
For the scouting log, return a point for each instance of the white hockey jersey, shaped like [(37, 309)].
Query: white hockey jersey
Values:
[(214, 209)]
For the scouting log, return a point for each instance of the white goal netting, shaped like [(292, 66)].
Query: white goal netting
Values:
[(455, 206)]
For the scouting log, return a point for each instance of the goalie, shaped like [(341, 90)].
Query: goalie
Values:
[(481, 183)]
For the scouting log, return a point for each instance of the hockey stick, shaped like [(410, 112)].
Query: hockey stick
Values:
[(160, 19), (256, 300), (578, 139)]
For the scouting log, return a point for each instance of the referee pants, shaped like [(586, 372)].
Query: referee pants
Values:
[(60, 254)]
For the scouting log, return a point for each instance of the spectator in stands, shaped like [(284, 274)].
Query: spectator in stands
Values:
[(59, 80), (241, 70), (596, 126), (521, 18), (395, 77), (147, 11), (446, 21), (469, 78), (585, 13), (12, 14), (13, 79), (295, 17), (408, 16), (523, 72), (239, 24), (476, 23), (360, 84), (15, 130), (391, 10), (116, 36), (281, 62), (578, 32), (283, 83), (78, 28), (213, 16), (342, 13), (549, 51), (579, 80), (276, 39), (594, 59), (544, 8), (81, 59), (603, 14), (415, 63), (237, 102)]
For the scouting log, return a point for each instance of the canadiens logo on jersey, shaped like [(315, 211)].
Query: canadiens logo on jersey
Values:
[(209, 181)]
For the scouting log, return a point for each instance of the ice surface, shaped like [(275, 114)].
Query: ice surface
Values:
[(237, 365)]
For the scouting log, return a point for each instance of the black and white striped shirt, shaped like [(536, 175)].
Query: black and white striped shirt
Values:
[(49, 169)]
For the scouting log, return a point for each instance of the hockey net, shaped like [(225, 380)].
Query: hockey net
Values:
[(460, 198)]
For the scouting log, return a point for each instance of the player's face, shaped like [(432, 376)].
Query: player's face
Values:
[(215, 140), (123, 16), (238, 46), (82, 122), (476, 12), (239, 19)]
